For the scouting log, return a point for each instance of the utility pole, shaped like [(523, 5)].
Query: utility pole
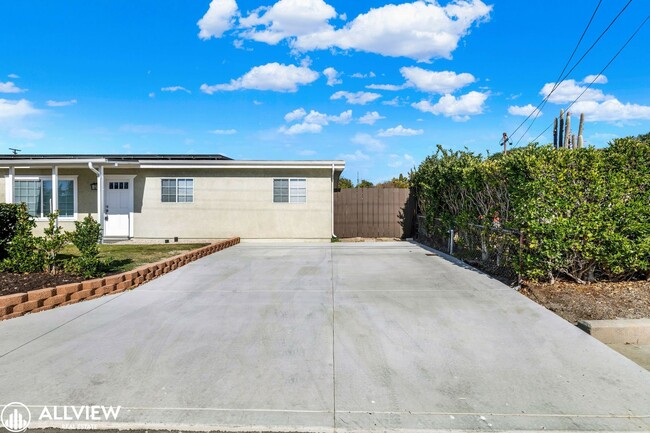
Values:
[(505, 143), (555, 133), (580, 128)]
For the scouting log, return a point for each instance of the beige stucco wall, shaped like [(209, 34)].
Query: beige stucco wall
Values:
[(227, 202)]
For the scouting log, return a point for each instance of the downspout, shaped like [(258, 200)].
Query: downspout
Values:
[(100, 194), (332, 192)]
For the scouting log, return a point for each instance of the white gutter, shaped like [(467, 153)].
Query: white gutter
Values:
[(100, 193), (332, 192)]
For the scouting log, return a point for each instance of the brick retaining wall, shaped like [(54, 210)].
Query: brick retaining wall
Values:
[(18, 304)]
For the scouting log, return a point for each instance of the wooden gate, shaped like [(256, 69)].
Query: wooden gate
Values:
[(373, 213)]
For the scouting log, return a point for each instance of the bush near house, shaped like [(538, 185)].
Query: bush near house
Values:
[(585, 213), (8, 219)]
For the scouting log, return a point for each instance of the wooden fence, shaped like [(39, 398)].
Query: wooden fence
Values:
[(373, 212)]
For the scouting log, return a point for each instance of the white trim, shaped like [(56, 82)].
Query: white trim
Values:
[(289, 179), (176, 178), (240, 165), (75, 187), (121, 177)]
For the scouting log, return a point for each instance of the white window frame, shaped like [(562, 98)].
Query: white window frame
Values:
[(176, 179), (288, 179), (41, 178)]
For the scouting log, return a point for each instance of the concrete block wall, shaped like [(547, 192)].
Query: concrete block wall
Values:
[(19, 304)]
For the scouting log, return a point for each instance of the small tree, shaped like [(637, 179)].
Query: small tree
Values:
[(51, 244), (86, 238), (8, 219), (345, 183), (22, 252)]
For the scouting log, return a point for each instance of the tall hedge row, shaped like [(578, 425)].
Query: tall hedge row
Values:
[(585, 213)]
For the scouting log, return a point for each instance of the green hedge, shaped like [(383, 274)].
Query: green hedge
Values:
[(585, 213)]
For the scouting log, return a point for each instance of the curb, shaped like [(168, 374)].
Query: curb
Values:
[(19, 304)]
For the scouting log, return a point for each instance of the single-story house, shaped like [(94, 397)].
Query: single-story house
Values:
[(177, 196)]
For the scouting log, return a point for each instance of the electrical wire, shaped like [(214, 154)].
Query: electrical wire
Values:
[(563, 77), (638, 29)]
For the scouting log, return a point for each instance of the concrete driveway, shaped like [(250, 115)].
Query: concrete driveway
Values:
[(322, 337)]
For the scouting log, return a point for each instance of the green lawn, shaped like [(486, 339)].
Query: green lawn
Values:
[(122, 258)]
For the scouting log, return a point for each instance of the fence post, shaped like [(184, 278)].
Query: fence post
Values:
[(451, 242)]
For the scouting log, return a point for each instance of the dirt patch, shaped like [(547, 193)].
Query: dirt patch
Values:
[(18, 283), (597, 301)]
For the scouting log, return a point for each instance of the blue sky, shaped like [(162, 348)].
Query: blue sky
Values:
[(376, 83)]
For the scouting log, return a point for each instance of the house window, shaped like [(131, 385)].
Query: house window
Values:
[(289, 190), (177, 190), (118, 185), (37, 195)]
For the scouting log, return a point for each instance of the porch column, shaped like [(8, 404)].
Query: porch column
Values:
[(100, 199), (10, 186), (55, 189)]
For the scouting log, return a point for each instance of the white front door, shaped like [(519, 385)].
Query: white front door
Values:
[(118, 206)]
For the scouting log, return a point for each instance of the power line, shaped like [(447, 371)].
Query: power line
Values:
[(563, 77), (638, 29), (542, 104)]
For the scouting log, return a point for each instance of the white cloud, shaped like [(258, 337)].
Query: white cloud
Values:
[(400, 131), (10, 87), (286, 19), (67, 103), (256, 102), (332, 76), (393, 102), (569, 90), (523, 110), (360, 75), (313, 121), (26, 134), (356, 156), (218, 19), (419, 30), (175, 89), (272, 76), (396, 160), (306, 152), (370, 118), (389, 87), (16, 109), (13, 76), (296, 114), (597, 79), (223, 131), (458, 108), (152, 94), (611, 110), (358, 98), (302, 128), (369, 142), (150, 129), (441, 82)]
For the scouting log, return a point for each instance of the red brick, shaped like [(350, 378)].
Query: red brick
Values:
[(166, 269), (111, 288), (158, 272), (11, 300), (39, 295), (55, 300), (113, 279), (138, 281), (5, 310), (68, 289), (11, 316), (69, 302), (92, 284), (130, 275), (82, 294), (43, 308), (174, 266), (25, 307), (123, 286), (102, 291)]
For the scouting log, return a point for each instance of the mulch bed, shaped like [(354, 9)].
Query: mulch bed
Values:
[(596, 301), (18, 283)]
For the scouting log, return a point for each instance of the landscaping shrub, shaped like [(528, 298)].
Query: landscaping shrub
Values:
[(86, 238), (8, 219), (22, 252), (585, 213), (51, 244)]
